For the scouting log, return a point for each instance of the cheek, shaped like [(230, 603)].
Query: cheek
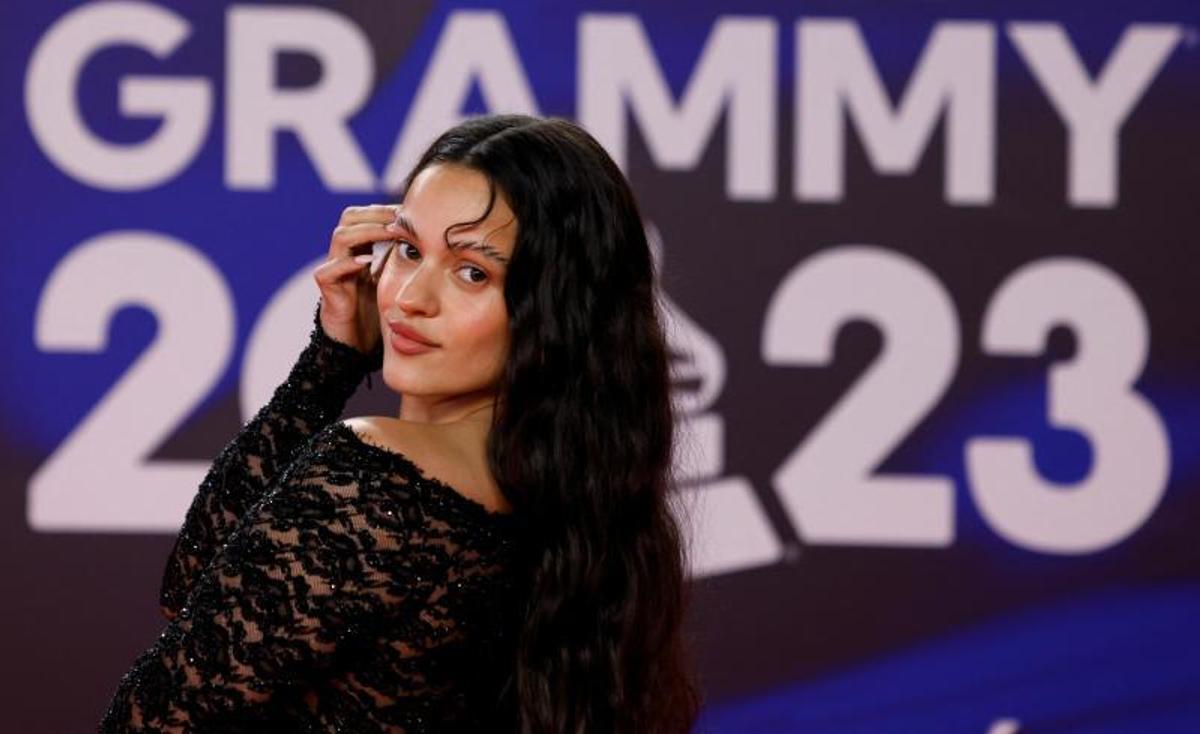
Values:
[(487, 332), (389, 283)]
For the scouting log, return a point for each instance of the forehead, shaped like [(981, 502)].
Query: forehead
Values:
[(443, 195)]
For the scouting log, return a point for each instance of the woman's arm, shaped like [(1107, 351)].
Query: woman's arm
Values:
[(306, 576), (323, 378)]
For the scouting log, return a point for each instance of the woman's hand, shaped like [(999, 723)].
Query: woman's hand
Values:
[(348, 314)]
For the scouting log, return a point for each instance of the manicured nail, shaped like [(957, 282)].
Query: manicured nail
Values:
[(363, 258)]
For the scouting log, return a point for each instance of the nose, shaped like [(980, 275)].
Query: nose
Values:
[(418, 293)]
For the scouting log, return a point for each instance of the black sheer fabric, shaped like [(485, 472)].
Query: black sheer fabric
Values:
[(322, 583)]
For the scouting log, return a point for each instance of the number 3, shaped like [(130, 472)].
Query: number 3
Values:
[(1092, 394)]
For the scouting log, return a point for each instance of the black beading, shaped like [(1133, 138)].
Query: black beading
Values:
[(322, 583)]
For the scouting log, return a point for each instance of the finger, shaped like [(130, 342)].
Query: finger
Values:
[(383, 213), (344, 238), (335, 269)]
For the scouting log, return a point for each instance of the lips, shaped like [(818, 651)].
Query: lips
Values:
[(410, 334)]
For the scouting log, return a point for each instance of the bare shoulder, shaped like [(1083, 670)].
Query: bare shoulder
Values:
[(439, 454)]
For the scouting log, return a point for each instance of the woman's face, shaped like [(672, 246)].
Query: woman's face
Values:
[(452, 296)]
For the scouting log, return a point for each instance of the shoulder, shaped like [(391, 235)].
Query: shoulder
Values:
[(422, 445), (436, 454), (389, 433)]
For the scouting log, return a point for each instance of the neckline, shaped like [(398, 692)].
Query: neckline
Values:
[(473, 505)]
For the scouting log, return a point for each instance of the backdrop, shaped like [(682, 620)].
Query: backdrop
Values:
[(931, 276)]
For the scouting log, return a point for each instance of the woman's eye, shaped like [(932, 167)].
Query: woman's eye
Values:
[(473, 271), (404, 247)]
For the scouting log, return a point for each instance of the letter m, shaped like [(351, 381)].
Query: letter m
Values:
[(735, 73), (955, 76)]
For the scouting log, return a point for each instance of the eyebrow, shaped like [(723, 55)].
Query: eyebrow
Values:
[(489, 251)]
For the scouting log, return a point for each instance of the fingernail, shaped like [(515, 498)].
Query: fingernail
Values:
[(363, 258)]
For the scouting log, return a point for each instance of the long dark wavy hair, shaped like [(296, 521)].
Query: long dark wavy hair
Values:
[(581, 438)]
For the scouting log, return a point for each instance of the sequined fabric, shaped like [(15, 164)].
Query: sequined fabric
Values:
[(322, 583)]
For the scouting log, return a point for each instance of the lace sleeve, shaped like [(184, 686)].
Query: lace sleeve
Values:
[(278, 605), (335, 557), (323, 378)]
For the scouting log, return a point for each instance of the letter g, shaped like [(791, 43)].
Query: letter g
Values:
[(184, 104)]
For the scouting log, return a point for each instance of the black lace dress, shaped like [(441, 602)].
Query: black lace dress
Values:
[(322, 583)]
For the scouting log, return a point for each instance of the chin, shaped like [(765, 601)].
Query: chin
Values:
[(406, 381)]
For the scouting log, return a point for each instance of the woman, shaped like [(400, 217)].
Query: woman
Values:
[(501, 556)]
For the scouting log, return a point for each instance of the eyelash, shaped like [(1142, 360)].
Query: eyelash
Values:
[(400, 244)]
